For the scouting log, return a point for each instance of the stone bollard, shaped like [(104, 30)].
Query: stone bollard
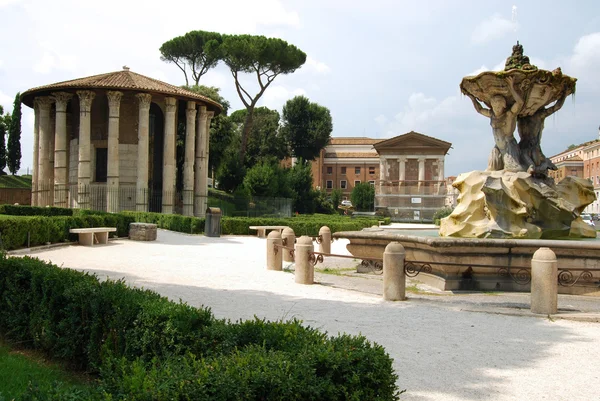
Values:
[(544, 282), (394, 280), (289, 238), (274, 254), (304, 272), (325, 245)]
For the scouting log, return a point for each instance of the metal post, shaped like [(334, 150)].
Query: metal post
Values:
[(544, 282), (394, 279), (325, 240), (304, 273), (274, 253)]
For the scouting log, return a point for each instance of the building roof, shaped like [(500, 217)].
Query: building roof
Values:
[(119, 80), (358, 155), (413, 139), (353, 141)]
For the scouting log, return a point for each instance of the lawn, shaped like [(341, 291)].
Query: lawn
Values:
[(20, 367), (15, 181)]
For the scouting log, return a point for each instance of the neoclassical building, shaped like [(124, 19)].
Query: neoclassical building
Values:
[(108, 142), (406, 170)]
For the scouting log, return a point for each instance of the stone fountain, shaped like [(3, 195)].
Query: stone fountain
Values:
[(511, 209), (514, 197)]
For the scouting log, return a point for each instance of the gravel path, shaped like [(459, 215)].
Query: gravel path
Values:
[(441, 351)]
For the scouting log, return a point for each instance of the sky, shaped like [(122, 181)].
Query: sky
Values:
[(383, 67)]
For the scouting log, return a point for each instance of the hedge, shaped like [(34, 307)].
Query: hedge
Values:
[(145, 347), (41, 230), (173, 222)]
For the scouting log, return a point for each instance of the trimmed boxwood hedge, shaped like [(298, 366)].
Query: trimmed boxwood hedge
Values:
[(145, 347)]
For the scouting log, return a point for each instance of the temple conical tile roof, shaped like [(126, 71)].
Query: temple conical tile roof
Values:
[(124, 80)]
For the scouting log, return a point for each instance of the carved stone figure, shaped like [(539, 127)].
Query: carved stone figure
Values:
[(515, 198), (503, 121)]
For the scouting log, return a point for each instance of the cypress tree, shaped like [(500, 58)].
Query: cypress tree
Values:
[(14, 138), (4, 125)]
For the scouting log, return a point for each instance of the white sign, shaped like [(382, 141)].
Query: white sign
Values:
[(417, 215), (396, 211), (415, 200)]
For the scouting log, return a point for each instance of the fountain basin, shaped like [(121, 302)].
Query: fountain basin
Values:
[(446, 253)]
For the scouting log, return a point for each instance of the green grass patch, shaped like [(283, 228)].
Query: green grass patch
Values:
[(334, 271), (24, 371), (15, 181)]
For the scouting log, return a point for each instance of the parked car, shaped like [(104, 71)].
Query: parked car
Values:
[(346, 203), (588, 219)]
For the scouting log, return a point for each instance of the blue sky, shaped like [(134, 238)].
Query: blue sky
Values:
[(382, 67)]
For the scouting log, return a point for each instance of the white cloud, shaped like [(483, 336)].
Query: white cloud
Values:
[(316, 66), (275, 97), (381, 120), (6, 102), (4, 3), (492, 28)]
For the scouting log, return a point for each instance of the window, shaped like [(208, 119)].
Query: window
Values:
[(329, 170), (343, 170), (101, 164), (372, 183), (343, 184), (356, 170), (356, 182), (371, 170), (329, 184)]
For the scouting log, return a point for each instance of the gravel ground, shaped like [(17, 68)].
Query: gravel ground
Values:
[(444, 348)]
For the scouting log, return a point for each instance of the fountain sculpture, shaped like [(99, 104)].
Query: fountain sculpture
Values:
[(514, 197)]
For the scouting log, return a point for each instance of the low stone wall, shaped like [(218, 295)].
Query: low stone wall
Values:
[(142, 232), (10, 196)]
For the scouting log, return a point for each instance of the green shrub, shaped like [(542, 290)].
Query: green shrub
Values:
[(18, 210), (146, 347), (440, 214), (173, 222)]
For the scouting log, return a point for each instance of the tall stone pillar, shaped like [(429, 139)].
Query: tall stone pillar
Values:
[(382, 176), (61, 172), (200, 174), (45, 142), (401, 170), (441, 178), (169, 166), (190, 154), (36, 152), (85, 126), (204, 193), (112, 171), (421, 172), (141, 199)]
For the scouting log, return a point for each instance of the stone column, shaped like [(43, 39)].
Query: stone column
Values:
[(442, 182), (141, 198), (169, 165), (200, 175), (544, 282), (394, 280), (36, 152), (44, 133), (401, 170), (112, 171), (61, 172), (188, 165), (382, 172), (204, 188), (421, 172), (83, 172)]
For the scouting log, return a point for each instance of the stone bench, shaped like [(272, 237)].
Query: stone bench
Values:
[(262, 230), (142, 232), (89, 236)]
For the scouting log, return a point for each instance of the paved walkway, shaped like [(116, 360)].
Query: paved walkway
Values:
[(445, 347)]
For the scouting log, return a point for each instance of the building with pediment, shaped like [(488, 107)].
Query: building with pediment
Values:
[(407, 172), (108, 142)]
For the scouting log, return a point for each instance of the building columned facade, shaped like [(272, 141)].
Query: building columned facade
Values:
[(407, 172), (108, 142), (581, 161)]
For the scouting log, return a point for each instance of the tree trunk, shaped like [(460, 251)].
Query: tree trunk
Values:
[(246, 133)]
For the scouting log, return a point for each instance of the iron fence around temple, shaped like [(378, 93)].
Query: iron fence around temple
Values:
[(128, 198)]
